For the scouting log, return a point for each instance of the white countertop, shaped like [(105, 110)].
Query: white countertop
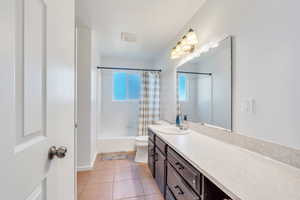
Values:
[(242, 174)]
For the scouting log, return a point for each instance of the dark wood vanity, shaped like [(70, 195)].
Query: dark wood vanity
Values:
[(176, 178)]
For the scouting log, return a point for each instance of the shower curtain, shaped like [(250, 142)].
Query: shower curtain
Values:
[(149, 101)]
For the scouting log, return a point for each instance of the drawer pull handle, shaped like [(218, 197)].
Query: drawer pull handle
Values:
[(156, 157), (180, 166), (152, 152), (179, 190)]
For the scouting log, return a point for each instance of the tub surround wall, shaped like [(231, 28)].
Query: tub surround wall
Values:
[(265, 46), (116, 144)]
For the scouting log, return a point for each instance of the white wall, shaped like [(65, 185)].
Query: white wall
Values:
[(111, 61), (265, 64), (95, 91), (87, 60)]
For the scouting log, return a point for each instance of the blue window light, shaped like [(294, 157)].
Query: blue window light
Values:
[(182, 87), (126, 86)]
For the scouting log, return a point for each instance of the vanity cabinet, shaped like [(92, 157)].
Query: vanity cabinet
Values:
[(151, 155), (212, 192), (176, 178), (160, 170), (157, 160), (178, 186), (183, 168), (169, 194)]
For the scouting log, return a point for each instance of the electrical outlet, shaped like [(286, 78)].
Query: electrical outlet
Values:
[(248, 106)]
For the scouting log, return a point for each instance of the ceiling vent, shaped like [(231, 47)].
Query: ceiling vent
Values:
[(128, 37)]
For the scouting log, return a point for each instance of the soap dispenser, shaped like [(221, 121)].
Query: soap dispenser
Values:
[(178, 120), (185, 122)]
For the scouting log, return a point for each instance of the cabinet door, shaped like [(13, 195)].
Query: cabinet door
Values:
[(160, 169), (151, 154), (212, 192), (169, 195)]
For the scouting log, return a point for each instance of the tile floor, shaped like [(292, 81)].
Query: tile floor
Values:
[(117, 179)]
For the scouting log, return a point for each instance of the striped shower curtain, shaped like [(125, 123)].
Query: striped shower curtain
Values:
[(149, 101)]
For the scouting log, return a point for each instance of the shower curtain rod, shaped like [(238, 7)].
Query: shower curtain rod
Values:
[(183, 72), (133, 69)]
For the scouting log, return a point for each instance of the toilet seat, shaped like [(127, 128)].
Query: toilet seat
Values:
[(141, 143)]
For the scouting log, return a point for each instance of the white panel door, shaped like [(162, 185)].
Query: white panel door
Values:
[(37, 99)]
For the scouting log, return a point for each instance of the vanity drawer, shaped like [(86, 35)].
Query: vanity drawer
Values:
[(169, 195), (151, 135), (161, 145), (188, 172), (179, 187)]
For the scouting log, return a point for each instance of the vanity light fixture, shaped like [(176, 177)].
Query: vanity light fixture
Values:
[(185, 46), (197, 52)]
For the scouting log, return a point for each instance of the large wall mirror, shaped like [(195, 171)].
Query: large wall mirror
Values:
[(204, 86)]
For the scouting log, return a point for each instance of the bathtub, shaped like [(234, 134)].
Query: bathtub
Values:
[(115, 144)]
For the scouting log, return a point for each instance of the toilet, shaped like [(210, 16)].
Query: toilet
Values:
[(141, 143)]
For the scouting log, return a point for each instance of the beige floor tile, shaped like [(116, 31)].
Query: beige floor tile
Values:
[(101, 176), (124, 163), (80, 188), (83, 177), (127, 189), (143, 172), (154, 197), (135, 198), (150, 186), (102, 191), (117, 179), (126, 174), (105, 165)]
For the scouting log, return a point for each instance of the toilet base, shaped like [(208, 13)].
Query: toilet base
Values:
[(141, 155)]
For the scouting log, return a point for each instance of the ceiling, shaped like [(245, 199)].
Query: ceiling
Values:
[(155, 23)]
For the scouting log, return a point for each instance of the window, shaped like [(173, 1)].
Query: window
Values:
[(126, 86), (182, 87)]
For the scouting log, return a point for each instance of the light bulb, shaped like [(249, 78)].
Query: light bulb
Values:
[(185, 46), (174, 54), (191, 37)]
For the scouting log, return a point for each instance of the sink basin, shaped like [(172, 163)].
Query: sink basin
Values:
[(171, 130)]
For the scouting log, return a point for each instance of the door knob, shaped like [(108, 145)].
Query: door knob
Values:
[(59, 152)]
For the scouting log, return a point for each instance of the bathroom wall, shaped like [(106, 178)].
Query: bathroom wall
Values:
[(95, 93), (87, 59), (265, 65)]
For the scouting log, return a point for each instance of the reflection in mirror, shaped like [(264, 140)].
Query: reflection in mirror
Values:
[(204, 87)]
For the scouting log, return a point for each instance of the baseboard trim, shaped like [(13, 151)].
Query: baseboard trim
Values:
[(88, 167), (94, 159), (84, 168)]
